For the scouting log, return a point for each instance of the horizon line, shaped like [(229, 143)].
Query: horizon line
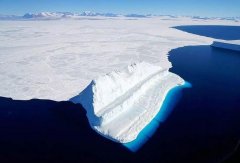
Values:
[(148, 14)]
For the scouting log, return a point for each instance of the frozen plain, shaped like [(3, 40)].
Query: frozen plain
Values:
[(57, 59)]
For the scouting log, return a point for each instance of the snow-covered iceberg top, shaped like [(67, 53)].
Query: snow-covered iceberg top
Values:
[(120, 104), (230, 45)]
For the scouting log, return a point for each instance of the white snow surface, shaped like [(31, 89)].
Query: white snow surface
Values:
[(120, 104), (57, 59), (230, 45)]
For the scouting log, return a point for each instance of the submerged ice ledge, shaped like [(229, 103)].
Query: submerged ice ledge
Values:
[(170, 101), (120, 104)]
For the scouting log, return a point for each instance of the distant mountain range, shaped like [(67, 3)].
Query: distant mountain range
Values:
[(66, 15), (61, 15), (70, 15)]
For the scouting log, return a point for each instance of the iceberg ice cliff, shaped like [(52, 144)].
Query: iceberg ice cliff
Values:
[(120, 104), (230, 45)]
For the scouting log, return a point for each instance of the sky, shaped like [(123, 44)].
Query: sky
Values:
[(210, 8)]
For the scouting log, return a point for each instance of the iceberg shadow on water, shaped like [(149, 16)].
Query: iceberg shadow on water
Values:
[(171, 99)]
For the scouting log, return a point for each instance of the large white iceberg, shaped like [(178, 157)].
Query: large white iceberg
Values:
[(120, 104)]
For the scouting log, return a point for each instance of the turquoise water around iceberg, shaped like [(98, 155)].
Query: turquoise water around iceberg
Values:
[(172, 97)]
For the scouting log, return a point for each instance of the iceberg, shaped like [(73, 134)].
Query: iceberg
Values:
[(120, 104), (230, 45)]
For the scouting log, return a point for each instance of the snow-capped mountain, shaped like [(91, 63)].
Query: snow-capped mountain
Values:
[(58, 15), (61, 15), (43, 15)]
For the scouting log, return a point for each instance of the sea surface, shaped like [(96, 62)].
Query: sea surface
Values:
[(213, 31), (203, 125), (207, 117)]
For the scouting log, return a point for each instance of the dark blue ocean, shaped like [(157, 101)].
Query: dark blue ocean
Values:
[(202, 125)]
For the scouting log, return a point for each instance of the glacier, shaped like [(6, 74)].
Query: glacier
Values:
[(120, 104)]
